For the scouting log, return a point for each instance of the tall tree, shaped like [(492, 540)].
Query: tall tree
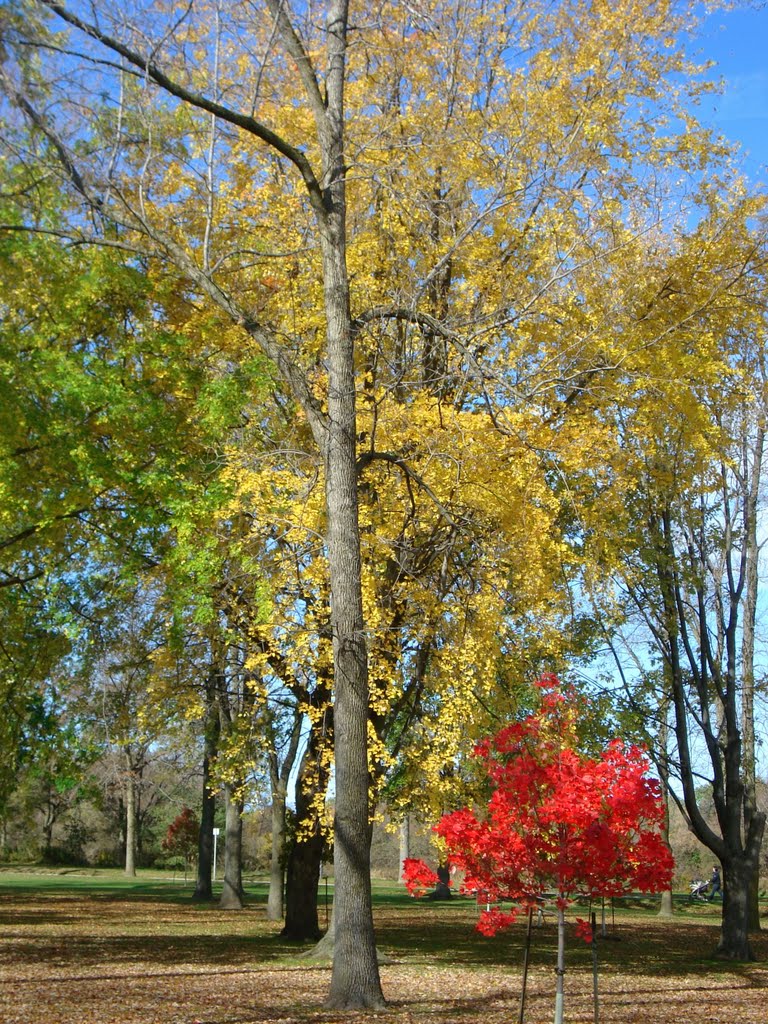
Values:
[(495, 152), (681, 539)]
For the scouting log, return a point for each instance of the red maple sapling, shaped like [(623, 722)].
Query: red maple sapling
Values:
[(558, 822), (558, 825)]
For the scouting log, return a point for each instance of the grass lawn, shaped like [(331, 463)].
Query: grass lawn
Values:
[(91, 947)]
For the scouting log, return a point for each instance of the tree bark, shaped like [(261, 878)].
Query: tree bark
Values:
[(279, 776), (306, 854), (405, 843), (305, 860), (560, 970), (355, 982), (232, 889), (667, 905), (48, 823), (754, 474), (667, 908), (277, 856), (734, 933), (130, 818), (204, 883)]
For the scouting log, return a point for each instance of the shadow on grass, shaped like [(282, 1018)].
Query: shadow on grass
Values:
[(636, 945), (162, 951), (89, 929), (89, 926)]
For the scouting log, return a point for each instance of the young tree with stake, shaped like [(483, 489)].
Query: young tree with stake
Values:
[(559, 824)]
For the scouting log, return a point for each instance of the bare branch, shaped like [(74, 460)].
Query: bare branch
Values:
[(296, 49), (172, 87)]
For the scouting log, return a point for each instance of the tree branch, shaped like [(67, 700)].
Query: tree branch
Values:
[(246, 122), (397, 460)]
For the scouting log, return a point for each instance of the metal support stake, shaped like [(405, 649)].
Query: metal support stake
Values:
[(594, 967), (525, 964)]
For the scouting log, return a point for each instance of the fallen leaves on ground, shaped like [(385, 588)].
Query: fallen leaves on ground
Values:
[(89, 959)]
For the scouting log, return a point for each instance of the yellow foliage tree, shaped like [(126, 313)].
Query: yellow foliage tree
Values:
[(417, 220), (669, 522)]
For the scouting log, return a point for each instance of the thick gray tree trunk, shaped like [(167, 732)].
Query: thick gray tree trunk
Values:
[(204, 883), (232, 888), (405, 843), (277, 855), (129, 788)]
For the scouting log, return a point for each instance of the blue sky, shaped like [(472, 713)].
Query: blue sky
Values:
[(738, 41)]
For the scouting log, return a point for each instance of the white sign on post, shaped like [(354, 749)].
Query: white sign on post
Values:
[(215, 844)]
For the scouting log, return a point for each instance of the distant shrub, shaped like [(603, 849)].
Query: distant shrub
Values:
[(65, 857)]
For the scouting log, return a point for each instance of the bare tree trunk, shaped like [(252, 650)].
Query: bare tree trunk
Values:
[(204, 883), (306, 854), (277, 856), (279, 776), (48, 823), (129, 788), (560, 970), (751, 558), (667, 907), (232, 889), (302, 879), (405, 843), (734, 935), (355, 981)]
